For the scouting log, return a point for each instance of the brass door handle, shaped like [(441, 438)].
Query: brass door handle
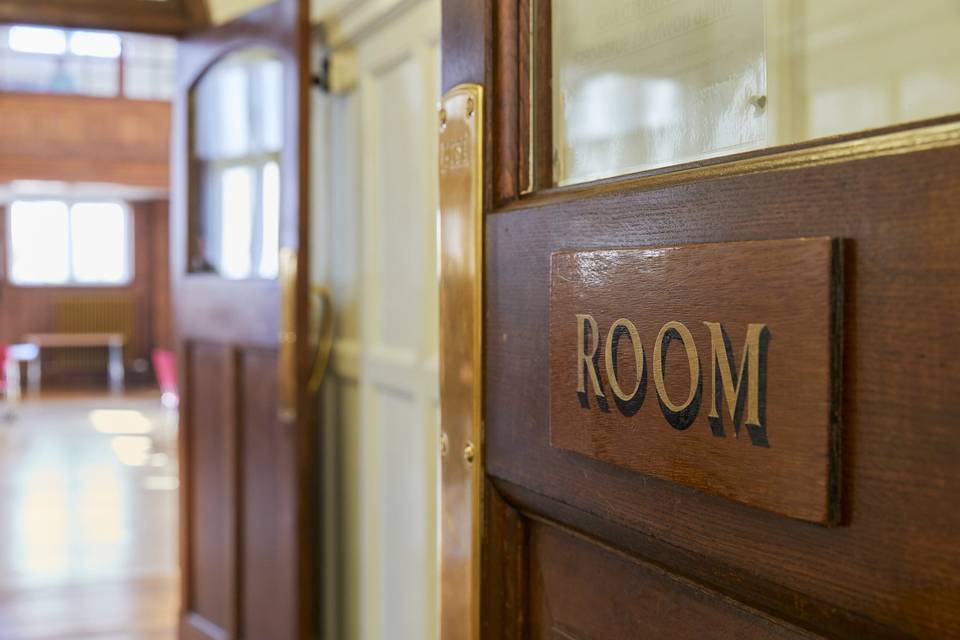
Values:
[(287, 362), (321, 357)]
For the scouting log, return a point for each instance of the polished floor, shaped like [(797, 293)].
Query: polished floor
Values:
[(88, 519)]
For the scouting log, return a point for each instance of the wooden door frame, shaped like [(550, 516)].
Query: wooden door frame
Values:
[(491, 43)]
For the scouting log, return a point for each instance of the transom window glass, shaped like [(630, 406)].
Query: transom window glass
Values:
[(95, 63), (237, 131), (646, 83), (52, 242)]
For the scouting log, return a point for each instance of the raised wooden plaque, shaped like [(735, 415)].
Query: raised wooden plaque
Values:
[(737, 347)]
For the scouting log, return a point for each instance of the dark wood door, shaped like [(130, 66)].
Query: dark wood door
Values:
[(241, 302), (604, 539)]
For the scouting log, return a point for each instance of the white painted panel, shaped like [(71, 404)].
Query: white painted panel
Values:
[(399, 204), (345, 247), (405, 509), (431, 305)]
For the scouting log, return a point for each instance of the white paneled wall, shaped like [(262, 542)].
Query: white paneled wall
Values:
[(375, 199)]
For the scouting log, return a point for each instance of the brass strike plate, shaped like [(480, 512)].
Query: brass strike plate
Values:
[(460, 122)]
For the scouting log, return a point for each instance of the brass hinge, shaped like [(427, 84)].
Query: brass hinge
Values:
[(338, 71)]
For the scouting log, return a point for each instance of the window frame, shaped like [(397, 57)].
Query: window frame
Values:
[(201, 167), (129, 241)]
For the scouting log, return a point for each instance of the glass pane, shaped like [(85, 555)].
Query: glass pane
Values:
[(236, 229), (97, 44), (646, 84), (222, 127), (39, 242), (149, 64), (237, 135), (100, 243), (38, 40), (270, 239)]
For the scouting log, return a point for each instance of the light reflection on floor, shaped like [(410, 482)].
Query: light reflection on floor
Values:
[(88, 512)]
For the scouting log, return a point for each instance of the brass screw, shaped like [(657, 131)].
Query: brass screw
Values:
[(469, 453), (443, 118), (470, 107), (444, 444)]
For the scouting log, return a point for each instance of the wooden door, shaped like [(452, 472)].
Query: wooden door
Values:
[(567, 520), (241, 302)]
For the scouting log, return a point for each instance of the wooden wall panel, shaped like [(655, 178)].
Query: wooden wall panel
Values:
[(84, 139), (159, 271)]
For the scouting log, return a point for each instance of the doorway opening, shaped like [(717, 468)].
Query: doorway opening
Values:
[(88, 398)]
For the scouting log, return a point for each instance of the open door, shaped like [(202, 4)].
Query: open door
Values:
[(241, 297), (625, 185)]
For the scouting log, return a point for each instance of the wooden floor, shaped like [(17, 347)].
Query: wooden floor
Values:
[(88, 519)]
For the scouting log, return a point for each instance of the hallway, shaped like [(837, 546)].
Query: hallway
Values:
[(88, 519)]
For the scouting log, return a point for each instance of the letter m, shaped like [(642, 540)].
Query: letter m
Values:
[(742, 389)]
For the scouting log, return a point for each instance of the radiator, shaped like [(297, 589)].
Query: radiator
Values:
[(91, 313)]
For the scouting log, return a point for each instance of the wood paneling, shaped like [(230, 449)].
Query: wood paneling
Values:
[(34, 309), (625, 599), (83, 139), (895, 559), (168, 16), (268, 493), (161, 304), (890, 569), (209, 451)]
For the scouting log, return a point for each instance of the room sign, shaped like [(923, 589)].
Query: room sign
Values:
[(715, 366)]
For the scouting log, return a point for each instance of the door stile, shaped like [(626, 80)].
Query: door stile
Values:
[(307, 471)]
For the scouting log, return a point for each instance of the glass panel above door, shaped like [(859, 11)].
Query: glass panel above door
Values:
[(236, 139), (639, 84)]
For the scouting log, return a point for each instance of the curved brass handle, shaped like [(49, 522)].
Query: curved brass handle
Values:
[(287, 361), (325, 341)]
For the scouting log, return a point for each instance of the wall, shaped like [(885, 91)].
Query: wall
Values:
[(84, 139), (32, 309)]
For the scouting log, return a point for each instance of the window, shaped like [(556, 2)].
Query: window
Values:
[(95, 63), (638, 85), (52, 242), (237, 137)]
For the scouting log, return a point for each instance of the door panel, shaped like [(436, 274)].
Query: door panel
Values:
[(210, 463), (580, 590), (578, 548), (248, 490), (268, 490), (899, 231)]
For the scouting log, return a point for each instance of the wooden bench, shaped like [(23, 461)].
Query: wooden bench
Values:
[(112, 342)]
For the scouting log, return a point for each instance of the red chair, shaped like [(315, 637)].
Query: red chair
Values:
[(3, 370), (8, 412), (165, 368)]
